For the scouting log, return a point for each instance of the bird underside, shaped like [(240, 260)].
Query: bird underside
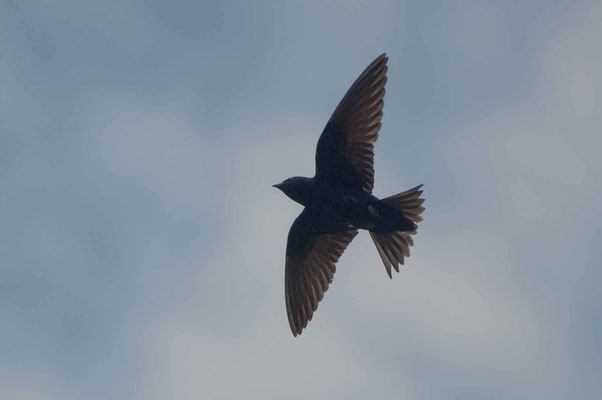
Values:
[(338, 200)]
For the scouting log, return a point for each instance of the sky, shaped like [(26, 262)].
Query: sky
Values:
[(142, 245)]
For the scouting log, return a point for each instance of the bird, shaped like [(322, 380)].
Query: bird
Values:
[(338, 200)]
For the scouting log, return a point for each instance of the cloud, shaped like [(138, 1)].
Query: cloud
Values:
[(143, 246)]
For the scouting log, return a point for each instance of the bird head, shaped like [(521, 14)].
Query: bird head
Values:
[(294, 187)]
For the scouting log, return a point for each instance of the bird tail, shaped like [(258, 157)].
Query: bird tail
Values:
[(394, 246)]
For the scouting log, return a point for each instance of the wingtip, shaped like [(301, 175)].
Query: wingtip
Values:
[(380, 60)]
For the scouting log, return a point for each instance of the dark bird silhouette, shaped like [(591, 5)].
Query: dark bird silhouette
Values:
[(338, 200)]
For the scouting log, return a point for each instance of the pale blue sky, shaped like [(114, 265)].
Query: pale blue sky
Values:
[(142, 245)]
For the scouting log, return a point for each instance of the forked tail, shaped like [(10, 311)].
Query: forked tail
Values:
[(394, 246)]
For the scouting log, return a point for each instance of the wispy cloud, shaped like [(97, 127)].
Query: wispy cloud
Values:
[(142, 247)]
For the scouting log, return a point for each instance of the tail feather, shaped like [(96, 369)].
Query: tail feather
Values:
[(394, 246), (408, 202)]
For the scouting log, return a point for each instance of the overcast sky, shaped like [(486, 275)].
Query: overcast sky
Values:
[(142, 245)]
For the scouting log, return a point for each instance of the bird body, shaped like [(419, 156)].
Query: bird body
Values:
[(361, 209), (338, 200)]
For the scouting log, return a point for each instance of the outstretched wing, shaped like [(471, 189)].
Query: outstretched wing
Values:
[(315, 243), (345, 152)]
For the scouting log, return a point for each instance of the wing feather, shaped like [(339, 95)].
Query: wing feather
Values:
[(345, 152), (314, 247)]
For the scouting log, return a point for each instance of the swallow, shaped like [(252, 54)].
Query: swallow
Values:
[(338, 200)]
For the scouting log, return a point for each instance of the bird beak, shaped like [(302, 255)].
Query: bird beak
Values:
[(276, 185)]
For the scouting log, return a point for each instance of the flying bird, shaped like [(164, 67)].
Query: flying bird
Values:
[(338, 200)]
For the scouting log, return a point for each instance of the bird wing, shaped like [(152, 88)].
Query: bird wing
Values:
[(315, 243), (345, 152)]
